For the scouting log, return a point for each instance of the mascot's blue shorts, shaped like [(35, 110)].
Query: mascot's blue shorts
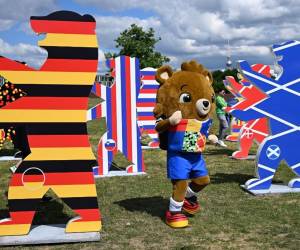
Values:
[(183, 166)]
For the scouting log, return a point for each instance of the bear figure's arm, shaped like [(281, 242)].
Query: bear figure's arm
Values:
[(7, 66), (259, 80), (246, 115)]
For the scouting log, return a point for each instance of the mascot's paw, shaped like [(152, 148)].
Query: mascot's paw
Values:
[(294, 183), (175, 118), (177, 220), (212, 139), (257, 184), (191, 206)]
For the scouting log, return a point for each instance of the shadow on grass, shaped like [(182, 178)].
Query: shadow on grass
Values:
[(155, 206), (8, 152), (240, 179), (219, 151), (220, 178), (49, 211)]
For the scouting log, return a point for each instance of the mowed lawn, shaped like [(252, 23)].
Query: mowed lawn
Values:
[(133, 207)]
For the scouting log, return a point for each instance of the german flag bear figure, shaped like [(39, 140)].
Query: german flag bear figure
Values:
[(185, 101), (53, 112)]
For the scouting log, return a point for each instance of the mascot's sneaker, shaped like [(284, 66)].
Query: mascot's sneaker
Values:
[(191, 205), (176, 220)]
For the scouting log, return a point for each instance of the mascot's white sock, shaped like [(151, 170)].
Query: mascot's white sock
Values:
[(190, 193), (175, 206)]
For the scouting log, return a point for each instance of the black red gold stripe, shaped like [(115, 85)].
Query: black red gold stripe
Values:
[(71, 53), (68, 128), (59, 103), (57, 90), (31, 204), (71, 178), (59, 166)]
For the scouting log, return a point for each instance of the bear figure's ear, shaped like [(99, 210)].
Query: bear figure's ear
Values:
[(208, 76), (163, 74)]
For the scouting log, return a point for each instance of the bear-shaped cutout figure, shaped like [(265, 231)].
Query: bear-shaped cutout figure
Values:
[(185, 101), (53, 118)]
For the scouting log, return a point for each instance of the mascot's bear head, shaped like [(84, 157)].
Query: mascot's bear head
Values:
[(188, 90)]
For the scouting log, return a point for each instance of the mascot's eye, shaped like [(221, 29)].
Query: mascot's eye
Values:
[(185, 97), (213, 98)]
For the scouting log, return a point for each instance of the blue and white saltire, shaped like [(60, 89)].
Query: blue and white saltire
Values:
[(281, 106)]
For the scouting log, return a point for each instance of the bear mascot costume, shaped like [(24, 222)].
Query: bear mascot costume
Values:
[(184, 103)]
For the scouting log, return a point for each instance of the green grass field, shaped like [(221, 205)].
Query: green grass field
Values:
[(133, 208)]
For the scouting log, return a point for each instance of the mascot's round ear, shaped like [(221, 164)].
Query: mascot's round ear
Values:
[(208, 76), (163, 74)]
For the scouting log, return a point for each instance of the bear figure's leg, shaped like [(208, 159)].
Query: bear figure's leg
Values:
[(179, 189), (270, 155), (295, 182), (294, 164), (174, 216), (24, 193), (191, 205), (82, 199), (197, 184), (245, 142)]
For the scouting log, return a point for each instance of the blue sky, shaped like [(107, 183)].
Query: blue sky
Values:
[(191, 29), (16, 35)]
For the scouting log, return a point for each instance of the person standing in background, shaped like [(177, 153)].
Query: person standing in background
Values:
[(223, 123)]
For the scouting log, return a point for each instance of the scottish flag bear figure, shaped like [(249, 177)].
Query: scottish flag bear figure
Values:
[(281, 107), (185, 100)]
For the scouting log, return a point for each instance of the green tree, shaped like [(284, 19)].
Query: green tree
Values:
[(110, 55), (136, 42)]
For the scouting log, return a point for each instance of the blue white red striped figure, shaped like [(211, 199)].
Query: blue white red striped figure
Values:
[(145, 105), (281, 107), (119, 108), (96, 89)]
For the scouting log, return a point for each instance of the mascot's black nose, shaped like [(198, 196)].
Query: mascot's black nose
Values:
[(206, 104)]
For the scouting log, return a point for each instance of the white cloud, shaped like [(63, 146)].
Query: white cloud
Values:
[(110, 27), (255, 10), (32, 55), (22, 10), (200, 29), (189, 29), (102, 61), (14, 11), (6, 24), (26, 28), (117, 5)]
